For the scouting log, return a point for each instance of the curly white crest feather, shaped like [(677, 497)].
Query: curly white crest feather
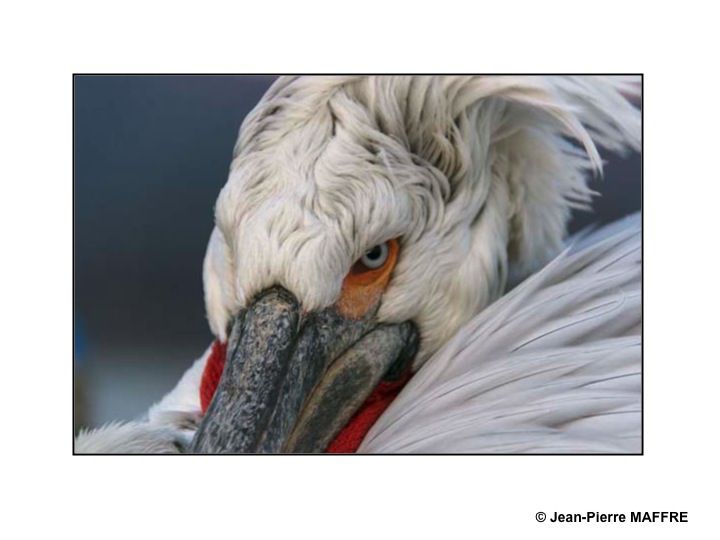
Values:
[(476, 175)]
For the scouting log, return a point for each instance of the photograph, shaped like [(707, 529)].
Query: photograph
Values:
[(358, 264), (327, 270)]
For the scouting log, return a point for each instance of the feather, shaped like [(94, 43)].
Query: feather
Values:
[(476, 176), (167, 427), (551, 367)]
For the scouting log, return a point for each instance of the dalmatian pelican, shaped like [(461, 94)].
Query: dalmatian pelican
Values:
[(390, 272)]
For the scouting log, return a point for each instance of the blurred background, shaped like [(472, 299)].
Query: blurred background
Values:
[(151, 155)]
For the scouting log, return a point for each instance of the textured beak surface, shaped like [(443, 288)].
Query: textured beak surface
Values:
[(292, 381)]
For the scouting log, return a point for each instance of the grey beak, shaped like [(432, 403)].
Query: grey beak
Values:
[(292, 382)]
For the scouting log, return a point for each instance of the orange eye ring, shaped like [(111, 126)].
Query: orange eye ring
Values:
[(364, 285)]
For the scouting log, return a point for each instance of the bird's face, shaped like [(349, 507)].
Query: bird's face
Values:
[(363, 222), (315, 290)]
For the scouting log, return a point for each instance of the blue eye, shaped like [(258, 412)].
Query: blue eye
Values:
[(376, 256)]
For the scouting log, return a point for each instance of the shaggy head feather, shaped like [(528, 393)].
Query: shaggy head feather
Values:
[(475, 175)]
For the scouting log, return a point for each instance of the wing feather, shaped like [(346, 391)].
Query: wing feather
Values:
[(551, 367)]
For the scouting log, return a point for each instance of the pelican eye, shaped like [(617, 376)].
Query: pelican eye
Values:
[(376, 256), (367, 279), (377, 261)]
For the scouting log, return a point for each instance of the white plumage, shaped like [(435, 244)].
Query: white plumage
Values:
[(478, 177), (553, 366)]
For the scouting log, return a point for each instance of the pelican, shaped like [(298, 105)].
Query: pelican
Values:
[(390, 272)]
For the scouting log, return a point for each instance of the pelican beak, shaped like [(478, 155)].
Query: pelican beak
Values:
[(293, 380)]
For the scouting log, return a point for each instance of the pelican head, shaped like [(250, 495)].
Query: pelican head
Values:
[(365, 219)]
